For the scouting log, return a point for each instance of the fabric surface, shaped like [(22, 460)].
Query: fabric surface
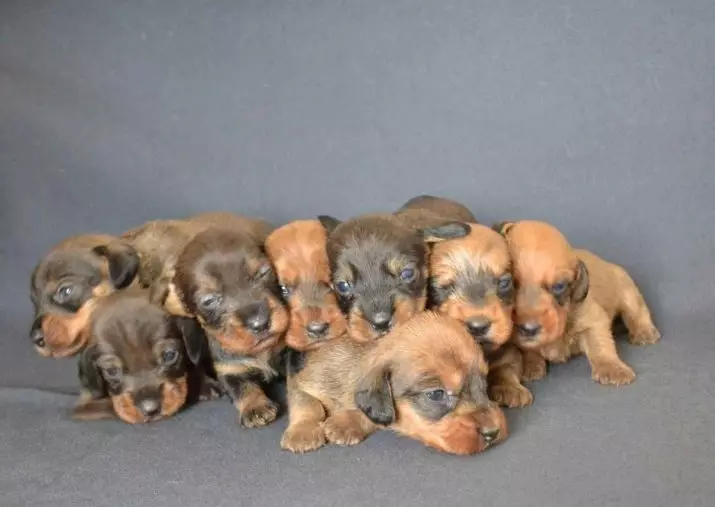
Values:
[(596, 116)]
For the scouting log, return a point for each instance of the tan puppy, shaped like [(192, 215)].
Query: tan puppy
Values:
[(426, 380), (566, 301)]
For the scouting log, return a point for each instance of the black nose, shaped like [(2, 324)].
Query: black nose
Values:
[(478, 327), (381, 321), (317, 328), (258, 318), (529, 329), (37, 337), (489, 434), (149, 406)]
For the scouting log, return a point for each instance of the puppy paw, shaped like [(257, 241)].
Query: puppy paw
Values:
[(613, 373), (93, 410), (210, 390), (303, 437), (512, 396), (258, 416), (644, 336), (533, 370), (341, 432)]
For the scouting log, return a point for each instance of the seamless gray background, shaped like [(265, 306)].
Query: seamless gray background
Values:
[(596, 116)]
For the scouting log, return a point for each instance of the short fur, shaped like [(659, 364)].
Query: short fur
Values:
[(425, 379), (298, 253)]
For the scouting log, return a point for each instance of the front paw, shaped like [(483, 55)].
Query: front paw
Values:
[(258, 416), (645, 336), (342, 432), (615, 373), (512, 396), (210, 390), (303, 437), (95, 409), (533, 370)]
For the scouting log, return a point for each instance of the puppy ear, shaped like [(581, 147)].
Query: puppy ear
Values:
[(90, 377), (123, 263), (503, 228), (374, 397), (579, 290), (329, 222), (451, 230), (194, 338)]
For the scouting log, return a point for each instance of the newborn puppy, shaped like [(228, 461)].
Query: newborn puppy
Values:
[(379, 265), (224, 279), (425, 379), (298, 253), (142, 362), (566, 301), (67, 284)]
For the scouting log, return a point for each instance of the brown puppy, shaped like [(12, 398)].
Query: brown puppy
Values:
[(566, 301), (224, 279), (298, 253), (141, 362), (67, 284), (379, 263), (425, 379)]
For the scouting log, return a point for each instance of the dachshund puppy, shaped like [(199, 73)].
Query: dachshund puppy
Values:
[(426, 380), (67, 284), (379, 264), (566, 302), (223, 278), (298, 253), (142, 364)]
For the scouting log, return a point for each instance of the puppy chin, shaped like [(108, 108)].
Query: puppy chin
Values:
[(238, 341)]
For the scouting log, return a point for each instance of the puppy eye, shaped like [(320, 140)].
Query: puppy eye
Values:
[(111, 372), (169, 356), (407, 274), (505, 283), (558, 288), (436, 395), (63, 293), (344, 288), (285, 290), (211, 301), (263, 271)]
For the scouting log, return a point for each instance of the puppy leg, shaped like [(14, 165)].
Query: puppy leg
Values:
[(209, 388), (635, 313), (504, 382), (600, 348), (90, 408), (305, 417), (348, 427), (534, 366), (255, 409)]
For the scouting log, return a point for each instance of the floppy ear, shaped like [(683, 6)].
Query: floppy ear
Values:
[(503, 228), (194, 338), (329, 222), (90, 378), (374, 396), (123, 263), (451, 230), (579, 290)]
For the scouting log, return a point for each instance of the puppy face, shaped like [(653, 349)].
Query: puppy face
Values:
[(66, 285), (379, 270), (471, 281), (550, 281), (140, 352), (427, 380), (225, 280), (298, 253)]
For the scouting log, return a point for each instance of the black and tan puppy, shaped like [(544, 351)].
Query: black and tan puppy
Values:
[(379, 262), (298, 253), (566, 302), (142, 364), (224, 279), (67, 284), (426, 380)]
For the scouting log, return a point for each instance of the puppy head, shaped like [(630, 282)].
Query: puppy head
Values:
[(550, 281), (140, 352), (427, 380), (224, 279), (66, 285), (298, 253), (379, 270), (471, 281)]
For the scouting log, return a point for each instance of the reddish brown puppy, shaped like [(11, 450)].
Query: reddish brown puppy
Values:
[(566, 301), (298, 253), (426, 380)]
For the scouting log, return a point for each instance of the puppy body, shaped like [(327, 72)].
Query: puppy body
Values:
[(566, 302), (425, 380)]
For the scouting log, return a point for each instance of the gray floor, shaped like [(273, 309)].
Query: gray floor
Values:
[(596, 116)]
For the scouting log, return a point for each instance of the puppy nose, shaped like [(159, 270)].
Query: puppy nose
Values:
[(529, 329), (37, 337), (317, 328), (381, 321), (489, 434), (479, 327), (149, 407), (258, 318)]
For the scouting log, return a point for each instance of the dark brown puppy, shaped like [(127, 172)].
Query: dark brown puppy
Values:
[(67, 284), (298, 253), (142, 364), (379, 264), (224, 279), (566, 301), (426, 380)]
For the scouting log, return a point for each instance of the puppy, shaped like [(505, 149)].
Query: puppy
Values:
[(67, 284), (298, 253), (566, 302), (142, 364), (379, 264), (224, 279), (426, 380)]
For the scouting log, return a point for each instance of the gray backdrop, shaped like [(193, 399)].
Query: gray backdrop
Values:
[(596, 116)]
